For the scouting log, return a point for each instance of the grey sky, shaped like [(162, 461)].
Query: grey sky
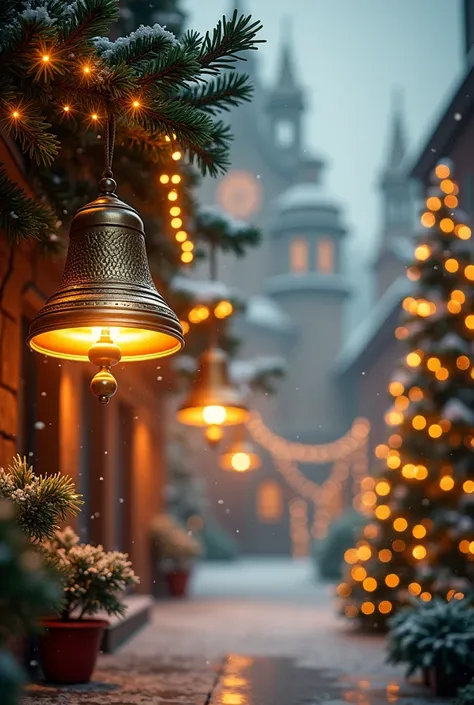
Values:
[(350, 55)]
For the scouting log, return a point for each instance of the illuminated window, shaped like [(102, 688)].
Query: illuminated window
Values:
[(325, 256), (269, 502), (285, 133), (299, 255)]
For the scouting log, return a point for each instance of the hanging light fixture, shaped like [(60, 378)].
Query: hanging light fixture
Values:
[(106, 308), (241, 456), (213, 401), (214, 435)]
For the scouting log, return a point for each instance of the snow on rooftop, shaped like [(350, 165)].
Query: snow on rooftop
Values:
[(210, 216), (305, 196), (263, 311), (202, 290), (244, 372)]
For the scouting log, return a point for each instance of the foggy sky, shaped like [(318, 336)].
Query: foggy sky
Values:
[(350, 54)]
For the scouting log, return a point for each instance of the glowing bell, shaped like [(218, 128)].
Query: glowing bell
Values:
[(107, 308), (213, 400), (240, 456), (214, 435)]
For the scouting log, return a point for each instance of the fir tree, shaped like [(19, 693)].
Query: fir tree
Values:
[(61, 79), (421, 539)]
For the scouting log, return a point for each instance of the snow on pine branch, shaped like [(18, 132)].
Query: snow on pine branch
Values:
[(456, 411), (248, 372), (107, 49)]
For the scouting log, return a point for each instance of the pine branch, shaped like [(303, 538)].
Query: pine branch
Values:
[(171, 69), (192, 128), (221, 93), (229, 38), (138, 48), (84, 20), (21, 216), (213, 158), (32, 132)]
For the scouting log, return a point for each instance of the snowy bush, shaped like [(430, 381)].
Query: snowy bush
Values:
[(93, 579)]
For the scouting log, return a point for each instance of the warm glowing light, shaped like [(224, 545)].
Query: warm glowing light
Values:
[(409, 471), (451, 201), (469, 321), (463, 232), (419, 531), (176, 223), (413, 359), (398, 545), (395, 440), (418, 422), (392, 580), (393, 462), (435, 430), (367, 608), (187, 246), (422, 252), (385, 607), (164, 178), (446, 483), (66, 109), (45, 58), (385, 555), (181, 236), (371, 531), (401, 333), (451, 265), (350, 556), (413, 274), (358, 573), (419, 552), (428, 219), (394, 418), (442, 171), (382, 488), (381, 451), (176, 156), (94, 116), (364, 553), (15, 114), (198, 314), (382, 512), (442, 374), (175, 210), (185, 326), (446, 225), (214, 415), (351, 611), (433, 364), (176, 179), (463, 362), (425, 596), (453, 306), (369, 584), (223, 309), (86, 69), (433, 203), (468, 487), (421, 472), (400, 524), (187, 257), (469, 272), (447, 186), (172, 196), (136, 104), (369, 499), (415, 394), (240, 462), (396, 389), (471, 547), (414, 588), (344, 590), (464, 546), (402, 403)]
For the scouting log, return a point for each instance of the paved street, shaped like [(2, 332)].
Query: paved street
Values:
[(284, 641)]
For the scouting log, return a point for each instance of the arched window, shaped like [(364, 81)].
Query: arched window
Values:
[(299, 255), (325, 255), (269, 502)]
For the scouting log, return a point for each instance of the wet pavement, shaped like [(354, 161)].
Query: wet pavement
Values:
[(252, 633)]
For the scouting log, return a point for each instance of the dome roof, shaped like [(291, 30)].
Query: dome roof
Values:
[(306, 196)]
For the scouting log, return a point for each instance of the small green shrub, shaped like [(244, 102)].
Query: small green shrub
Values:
[(328, 554), (466, 695)]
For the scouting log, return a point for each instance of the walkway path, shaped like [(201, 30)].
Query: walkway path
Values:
[(272, 611)]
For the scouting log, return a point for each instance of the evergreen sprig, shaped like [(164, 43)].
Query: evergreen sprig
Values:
[(22, 216), (221, 93)]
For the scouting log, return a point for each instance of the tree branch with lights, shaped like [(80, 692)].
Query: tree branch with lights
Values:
[(420, 543), (59, 79)]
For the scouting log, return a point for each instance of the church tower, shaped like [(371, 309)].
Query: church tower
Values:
[(397, 205), (285, 107)]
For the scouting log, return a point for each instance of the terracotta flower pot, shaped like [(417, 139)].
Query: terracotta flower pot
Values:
[(178, 582), (68, 650)]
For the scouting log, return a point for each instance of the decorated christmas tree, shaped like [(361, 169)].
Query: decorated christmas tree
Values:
[(420, 541)]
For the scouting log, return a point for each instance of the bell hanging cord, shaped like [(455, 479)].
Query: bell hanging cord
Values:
[(105, 353)]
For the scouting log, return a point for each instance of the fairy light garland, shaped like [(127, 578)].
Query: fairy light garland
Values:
[(198, 314)]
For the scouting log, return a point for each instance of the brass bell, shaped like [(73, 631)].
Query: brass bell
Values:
[(241, 456), (106, 308), (213, 400)]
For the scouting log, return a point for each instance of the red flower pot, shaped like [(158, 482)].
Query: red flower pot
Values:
[(178, 581), (68, 650)]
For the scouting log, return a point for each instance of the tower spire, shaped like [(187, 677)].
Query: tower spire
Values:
[(286, 81), (397, 141)]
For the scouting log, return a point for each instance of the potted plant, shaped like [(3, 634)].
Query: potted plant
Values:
[(93, 580), (436, 637), (175, 550)]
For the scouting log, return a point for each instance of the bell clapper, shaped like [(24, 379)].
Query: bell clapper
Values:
[(104, 353)]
